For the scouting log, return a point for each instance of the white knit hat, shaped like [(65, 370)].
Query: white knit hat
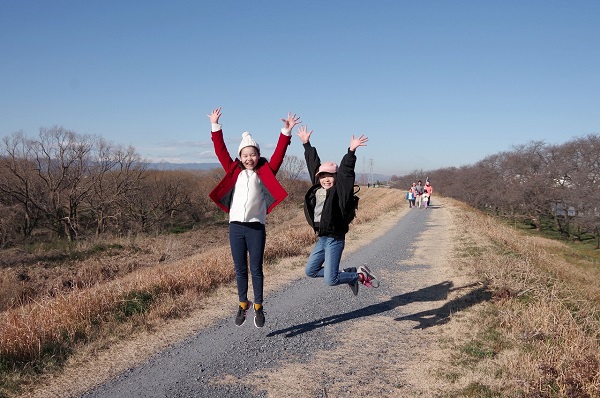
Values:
[(247, 140)]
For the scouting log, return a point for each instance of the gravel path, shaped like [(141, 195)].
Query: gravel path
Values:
[(301, 318)]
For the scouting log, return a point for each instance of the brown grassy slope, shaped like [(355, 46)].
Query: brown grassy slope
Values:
[(45, 332), (538, 337), (29, 273)]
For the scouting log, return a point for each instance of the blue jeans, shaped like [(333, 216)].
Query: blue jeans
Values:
[(247, 238), (324, 262)]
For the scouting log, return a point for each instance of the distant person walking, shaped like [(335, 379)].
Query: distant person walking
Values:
[(425, 199), (248, 192), (327, 205), (412, 195), (419, 194), (429, 189), (409, 197)]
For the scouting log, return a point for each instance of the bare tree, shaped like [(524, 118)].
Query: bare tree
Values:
[(64, 164), (583, 161), (118, 172), (162, 194), (64, 180), (19, 182), (291, 168), (534, 182)]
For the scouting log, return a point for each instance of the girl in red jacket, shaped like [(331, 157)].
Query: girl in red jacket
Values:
[(248, 192)]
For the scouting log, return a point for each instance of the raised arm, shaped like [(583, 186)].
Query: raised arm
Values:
[(310, 153), (218, 141), (284, 141)]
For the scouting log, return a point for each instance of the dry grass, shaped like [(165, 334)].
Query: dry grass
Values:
[(53, 324), (122, 293), (31, 273), (539, 336)]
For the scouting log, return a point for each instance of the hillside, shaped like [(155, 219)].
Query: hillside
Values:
[(470, 307)]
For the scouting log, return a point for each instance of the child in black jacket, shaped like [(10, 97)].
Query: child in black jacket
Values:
[(327, 206)]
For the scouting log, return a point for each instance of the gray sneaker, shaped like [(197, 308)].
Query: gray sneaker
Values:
[(259, 317), (240, 318), (353, 286), (369, 280)]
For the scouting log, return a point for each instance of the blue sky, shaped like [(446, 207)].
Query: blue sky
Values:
[(431, 83)]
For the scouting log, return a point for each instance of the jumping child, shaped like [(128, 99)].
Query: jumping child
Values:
[(326, 205), (248, 192)]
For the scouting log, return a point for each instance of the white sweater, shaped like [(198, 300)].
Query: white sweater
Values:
[(248, 204)]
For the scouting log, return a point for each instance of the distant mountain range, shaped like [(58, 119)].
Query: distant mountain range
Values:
[(207, 166), (182, 166)]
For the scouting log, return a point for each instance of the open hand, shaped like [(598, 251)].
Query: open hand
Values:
[(215, 115), (291, 121), (356, 142), (304, 134)]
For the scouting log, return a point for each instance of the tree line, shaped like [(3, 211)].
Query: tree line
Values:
[(66, 185), (555, 186)]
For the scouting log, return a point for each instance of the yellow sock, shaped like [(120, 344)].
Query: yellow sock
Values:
[(244, 305), (257, 306)]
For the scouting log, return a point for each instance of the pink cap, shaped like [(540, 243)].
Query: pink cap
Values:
[(327, 167)]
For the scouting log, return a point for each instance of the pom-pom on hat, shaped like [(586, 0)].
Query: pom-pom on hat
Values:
[(247, 140), (327, 167)]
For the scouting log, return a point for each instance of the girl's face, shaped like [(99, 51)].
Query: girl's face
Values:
[(249, 157), (327, 180)]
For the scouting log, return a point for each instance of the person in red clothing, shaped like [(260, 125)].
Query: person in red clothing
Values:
[(429, 189), (248, 192)]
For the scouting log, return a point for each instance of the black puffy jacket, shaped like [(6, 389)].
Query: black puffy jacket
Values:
[(338, 202)]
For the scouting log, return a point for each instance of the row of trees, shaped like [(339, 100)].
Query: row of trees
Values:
[(73, 186), (535, 182)]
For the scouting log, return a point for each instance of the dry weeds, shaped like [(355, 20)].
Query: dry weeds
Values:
[(48, 328), (536, 337)]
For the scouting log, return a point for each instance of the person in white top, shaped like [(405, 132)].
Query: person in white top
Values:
[(248, 192)]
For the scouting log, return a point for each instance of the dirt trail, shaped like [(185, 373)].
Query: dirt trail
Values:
[(402, 350)]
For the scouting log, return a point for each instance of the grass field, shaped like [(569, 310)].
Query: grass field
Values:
[(536, 337)]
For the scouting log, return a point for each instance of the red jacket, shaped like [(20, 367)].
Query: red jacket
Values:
[(222, 194)]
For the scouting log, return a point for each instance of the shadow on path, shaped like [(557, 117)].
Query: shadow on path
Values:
[(426, 319), (440, 316)]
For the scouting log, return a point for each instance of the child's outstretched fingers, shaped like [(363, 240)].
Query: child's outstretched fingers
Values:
[(356, 142), (291, 121), (304, 134), (215, 115)]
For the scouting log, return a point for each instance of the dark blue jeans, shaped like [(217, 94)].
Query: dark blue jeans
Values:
[(248, 238)]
